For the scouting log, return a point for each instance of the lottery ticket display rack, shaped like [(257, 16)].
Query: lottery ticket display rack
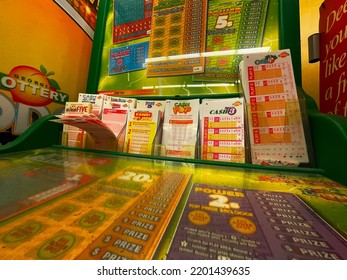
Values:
[(69, 203), (282, 19)]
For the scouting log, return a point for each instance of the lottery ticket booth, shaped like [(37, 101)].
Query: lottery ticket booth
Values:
[(62, 202)]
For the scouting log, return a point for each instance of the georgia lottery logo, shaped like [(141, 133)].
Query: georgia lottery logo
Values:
[(32, 87)]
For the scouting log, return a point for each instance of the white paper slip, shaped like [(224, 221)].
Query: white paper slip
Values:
[(103, 137), (180, 129), (115, 119), (72, 135), (142, 126), (97, 101), (222, 130), (276, 130)]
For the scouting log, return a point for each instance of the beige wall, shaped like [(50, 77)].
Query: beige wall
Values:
[(309, 17)]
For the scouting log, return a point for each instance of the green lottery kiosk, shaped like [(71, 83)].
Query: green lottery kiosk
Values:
[(61, 202)]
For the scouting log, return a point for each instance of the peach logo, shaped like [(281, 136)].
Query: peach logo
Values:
[(32, 87)]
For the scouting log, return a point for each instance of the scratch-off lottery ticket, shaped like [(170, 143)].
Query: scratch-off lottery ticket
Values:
[(134, 25), (231, 26), (178, 37), (225, 223), (137, 232)]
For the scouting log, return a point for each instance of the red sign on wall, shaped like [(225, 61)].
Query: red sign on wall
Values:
[(333, 57)]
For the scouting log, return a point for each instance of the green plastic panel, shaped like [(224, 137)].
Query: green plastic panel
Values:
[(42, 133)]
